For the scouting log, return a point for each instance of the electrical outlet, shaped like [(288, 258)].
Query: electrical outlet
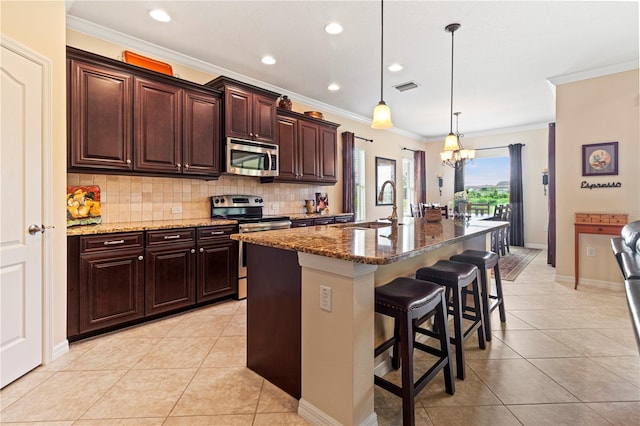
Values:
[(176, 210), (591, 251), (325, 298), (274, 208)]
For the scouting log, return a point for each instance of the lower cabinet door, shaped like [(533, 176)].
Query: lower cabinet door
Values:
[(170, 277), (217, 270), (112, 289)]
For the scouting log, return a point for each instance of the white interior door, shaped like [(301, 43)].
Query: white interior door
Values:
[(21, 253)]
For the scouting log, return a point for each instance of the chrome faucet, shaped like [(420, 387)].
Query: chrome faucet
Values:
[(394, 214)]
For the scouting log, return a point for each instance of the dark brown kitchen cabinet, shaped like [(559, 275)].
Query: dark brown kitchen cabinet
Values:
[(324, 220), (301, 223), (111, 280), (170, 270), (201, 147), (100, 120), (287, 148), (307, 149), (249, 111), (217, 263), (125, 119), (157, 118), (344, 218)]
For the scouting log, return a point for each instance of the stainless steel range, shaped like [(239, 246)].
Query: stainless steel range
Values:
[(247, 210)]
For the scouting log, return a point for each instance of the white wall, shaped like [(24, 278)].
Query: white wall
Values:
[(597, 110), (41, 27)]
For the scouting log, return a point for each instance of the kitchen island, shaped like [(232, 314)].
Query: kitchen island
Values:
[(311, 325)]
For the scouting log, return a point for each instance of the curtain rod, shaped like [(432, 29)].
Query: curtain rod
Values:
[(364, 139), (493, 147), (408, 149)]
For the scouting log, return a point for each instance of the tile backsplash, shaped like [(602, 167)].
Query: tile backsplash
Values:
[(137, 198)]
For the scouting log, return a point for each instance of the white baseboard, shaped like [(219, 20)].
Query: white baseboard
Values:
[(315, 416), (608, 285), (536, 246), (60, 349)]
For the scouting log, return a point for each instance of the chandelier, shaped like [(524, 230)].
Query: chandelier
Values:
[(453, 153), (458, 154)]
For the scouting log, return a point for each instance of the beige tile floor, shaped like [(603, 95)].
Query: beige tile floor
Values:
[(564, 357)]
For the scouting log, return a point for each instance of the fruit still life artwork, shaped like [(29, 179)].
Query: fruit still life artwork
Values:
[(83, 205)]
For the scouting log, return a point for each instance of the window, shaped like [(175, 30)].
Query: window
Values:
[(358, 185), (486, 180), (408, 185)]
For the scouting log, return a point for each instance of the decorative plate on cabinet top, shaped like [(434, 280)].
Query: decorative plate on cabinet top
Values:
[(314, 114)]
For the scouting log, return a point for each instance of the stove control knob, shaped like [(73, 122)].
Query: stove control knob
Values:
[(258, 200)]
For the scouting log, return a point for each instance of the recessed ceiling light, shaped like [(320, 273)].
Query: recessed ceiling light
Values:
[(333, 87), (333, 28), (395, 67), (160, 15), (268, 60)]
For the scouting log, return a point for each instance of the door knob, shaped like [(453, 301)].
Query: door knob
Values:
[(34, 229)]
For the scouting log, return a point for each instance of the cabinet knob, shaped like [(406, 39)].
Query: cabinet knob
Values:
[(128, 161), (140, 257), (257, 135), (186, 167), (178, 166), (201, 250), (193, 251), (251, 134)]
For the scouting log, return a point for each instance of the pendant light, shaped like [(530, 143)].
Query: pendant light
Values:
[(382, 112), (453, 153), (451, 142)]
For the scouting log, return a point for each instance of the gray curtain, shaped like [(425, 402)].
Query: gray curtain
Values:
[(516, 196), (458, 178), (420, 176), (347, 171)]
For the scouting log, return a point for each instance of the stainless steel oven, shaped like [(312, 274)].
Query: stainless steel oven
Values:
[(247, 210)]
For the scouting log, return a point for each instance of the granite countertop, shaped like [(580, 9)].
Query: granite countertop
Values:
[(374, 243), (108, 228), (297, 216)]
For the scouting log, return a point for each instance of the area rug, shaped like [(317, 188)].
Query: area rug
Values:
[(514, 262)]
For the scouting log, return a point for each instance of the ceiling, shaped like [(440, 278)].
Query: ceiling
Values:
[(506, 52)]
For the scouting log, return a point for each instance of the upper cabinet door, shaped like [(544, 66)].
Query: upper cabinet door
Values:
[(328, 154), (158, 132), (264, 118), (308, 151), (201, 134), (99, 117), (238, 115), (287, 148)]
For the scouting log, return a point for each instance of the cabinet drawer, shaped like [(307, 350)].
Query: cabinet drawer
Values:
[(300, 223), (214, 232), (324, 221), (169, 236), (111, 242), (344, 219)]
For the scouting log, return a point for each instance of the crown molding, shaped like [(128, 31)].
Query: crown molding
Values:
[(503, 130), (116, 37), (593, 73)]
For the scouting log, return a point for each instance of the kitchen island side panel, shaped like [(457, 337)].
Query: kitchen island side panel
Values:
[(273, 316)]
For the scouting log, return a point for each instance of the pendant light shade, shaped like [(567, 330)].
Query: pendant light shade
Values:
[(451, 142), (381, 116), (382, 112)]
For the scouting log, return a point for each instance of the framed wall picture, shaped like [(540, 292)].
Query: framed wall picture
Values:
[(600, 159), (385, 170)]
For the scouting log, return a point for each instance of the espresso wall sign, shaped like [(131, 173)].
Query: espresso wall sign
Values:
[(600, 159)]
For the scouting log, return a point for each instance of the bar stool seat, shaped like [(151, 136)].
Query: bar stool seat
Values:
[(456, 276), (407, 300), (486, 260)]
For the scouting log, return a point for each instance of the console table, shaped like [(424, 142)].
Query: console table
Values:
[(595, 223)]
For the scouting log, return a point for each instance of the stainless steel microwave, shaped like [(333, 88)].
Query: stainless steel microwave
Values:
[(250, 158)]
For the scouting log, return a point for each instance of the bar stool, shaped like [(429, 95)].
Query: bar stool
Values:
[(407, 300), (486, 260), (456, 276)]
